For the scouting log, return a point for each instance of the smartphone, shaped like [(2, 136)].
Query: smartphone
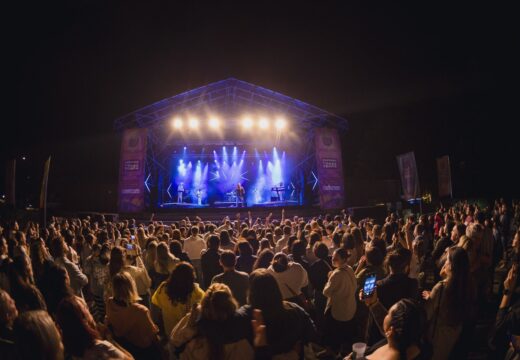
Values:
[(131, 249), (340, 225), (369, 286), (132, 237)]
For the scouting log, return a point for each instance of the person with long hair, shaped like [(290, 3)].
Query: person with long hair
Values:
[(77, 278), (81, 337), (450, 303), (288, 326), (225, 241), (21, 285), (119, 262), (96, 268), (130, 321), (264, 259), (174, 297), (246, 259), (36, 337), (201, 335), (39, 255)]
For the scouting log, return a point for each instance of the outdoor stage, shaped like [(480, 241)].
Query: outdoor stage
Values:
[(227, 145)]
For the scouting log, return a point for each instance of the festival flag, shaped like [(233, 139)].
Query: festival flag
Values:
[(409, 175), (444, 176), (45, 181)]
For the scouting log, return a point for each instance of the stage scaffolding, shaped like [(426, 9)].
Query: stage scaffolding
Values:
[(230, 98)]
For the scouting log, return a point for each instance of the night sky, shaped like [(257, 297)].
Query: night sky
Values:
[(435, 80)]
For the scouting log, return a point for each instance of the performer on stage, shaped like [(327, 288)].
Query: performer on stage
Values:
[(199, 197), (180, 192), (240, 193)]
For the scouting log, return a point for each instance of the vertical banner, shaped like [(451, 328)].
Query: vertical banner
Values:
[(10, 182), (43, 191), (330, 168), (444, 176), (409, 175), (132, 170)]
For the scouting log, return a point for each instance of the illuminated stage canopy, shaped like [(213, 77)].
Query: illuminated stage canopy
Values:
[(230, 113)]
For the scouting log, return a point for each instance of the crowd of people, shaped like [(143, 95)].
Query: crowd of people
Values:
[(247, 288)]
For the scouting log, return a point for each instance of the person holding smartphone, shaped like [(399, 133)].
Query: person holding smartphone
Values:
[(340, 290)]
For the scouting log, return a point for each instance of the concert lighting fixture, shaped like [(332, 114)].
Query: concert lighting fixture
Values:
[(263, 123), (280, 123), (193, 123), (177, 123), (247, 123), (214, 123)]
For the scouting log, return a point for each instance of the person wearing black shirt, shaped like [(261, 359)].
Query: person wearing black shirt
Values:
[(397, 285), (210, 261)]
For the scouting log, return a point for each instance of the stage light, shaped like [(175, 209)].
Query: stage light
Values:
[(214, 123), (193, 123), (263, 123), (247, 123), (280, 123), (177, 123)]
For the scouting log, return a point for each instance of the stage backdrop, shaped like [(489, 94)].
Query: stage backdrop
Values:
[(132, 170), (409, 175), (330, 168), (444, 176)]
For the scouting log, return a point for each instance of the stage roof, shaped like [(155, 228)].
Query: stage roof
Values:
[(231, 98)]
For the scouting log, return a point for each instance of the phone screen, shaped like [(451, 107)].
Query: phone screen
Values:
[(129, 246), (369, 286)]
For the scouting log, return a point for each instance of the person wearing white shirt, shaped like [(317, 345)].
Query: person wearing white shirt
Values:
[(193, 246), (290, 276), (280, 244), (340, 291)]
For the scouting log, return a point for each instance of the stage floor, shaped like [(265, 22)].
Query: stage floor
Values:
[(227, 204)]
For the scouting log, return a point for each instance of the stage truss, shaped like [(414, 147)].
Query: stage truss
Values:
[(232, 98)]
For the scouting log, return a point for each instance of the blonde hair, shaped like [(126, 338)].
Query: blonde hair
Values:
[(124, 288)]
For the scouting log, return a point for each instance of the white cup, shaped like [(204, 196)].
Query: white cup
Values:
[(359, 348)]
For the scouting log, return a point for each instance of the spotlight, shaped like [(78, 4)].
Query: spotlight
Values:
[(177, 123), (280, 123), (193, 123), (263, 123), (214, 123), (247, 123)]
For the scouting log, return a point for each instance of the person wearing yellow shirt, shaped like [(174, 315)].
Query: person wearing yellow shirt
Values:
[(175, 296)]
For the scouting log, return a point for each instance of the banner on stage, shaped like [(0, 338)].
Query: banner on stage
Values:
[(132, 170), (444, 176), (409, 175), (330, 168)]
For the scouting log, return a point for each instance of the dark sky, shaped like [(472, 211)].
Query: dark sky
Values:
[(436, 80)]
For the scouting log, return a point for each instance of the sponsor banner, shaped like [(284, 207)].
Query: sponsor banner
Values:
[(409, 175), (132, 170), (444, 176), (329, 168)]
